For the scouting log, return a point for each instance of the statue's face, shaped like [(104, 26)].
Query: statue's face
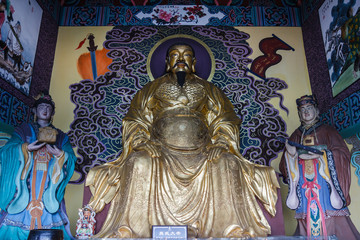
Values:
[(44, 111), (181, 59), (308, 113), (87, 215)]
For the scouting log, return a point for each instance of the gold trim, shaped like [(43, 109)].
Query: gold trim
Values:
[(212, 71)]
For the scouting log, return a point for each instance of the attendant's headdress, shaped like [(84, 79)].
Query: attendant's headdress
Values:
[(306, 99), (44, 97)]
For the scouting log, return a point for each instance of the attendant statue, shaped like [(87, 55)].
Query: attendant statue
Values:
[(318, 182), (85, 225), (181, 163), (36, 165)]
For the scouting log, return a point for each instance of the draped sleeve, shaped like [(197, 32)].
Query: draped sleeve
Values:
[(138, 121), (222, 119), (341, 154), (12, 160), (60, 172), (68, 168), (104, 180), (295, 137), (224, 127)]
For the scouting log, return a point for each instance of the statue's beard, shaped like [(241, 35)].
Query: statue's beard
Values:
[(181, 78)]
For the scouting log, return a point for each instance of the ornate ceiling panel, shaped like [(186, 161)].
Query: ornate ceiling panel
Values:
[(103, 3)]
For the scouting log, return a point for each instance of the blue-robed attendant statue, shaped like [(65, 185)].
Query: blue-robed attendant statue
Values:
[(36, 165)]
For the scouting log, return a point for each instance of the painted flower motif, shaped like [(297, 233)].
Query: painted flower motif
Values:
[(314, 208), (193, 13), (197, 10), (164, 15)]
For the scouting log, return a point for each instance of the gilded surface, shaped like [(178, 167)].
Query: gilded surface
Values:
[(181, 165)]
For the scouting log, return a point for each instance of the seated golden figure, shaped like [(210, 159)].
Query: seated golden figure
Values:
[(181, 163)]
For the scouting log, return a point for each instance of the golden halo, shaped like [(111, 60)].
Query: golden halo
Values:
[(211, 70)]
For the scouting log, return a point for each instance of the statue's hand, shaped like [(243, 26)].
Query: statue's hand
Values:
[(108, 173), (290, 149), (215, 152), (35, 146), (54, 151), (151, 148), (103, 182), (310, 155)]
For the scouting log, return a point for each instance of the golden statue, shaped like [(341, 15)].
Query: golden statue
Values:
[(181, 163)]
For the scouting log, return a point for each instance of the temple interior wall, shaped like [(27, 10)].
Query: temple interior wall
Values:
[(292, 69)]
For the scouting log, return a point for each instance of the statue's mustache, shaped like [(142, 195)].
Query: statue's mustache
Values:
[(181, 63)]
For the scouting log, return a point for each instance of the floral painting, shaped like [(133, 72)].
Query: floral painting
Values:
[(180, 15)]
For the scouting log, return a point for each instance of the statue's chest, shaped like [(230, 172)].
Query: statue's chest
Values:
[(190, 93)]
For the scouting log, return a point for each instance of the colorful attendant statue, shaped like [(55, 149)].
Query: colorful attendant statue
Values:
[(36, 165), (318, 182), (85, 226), (181, 163)]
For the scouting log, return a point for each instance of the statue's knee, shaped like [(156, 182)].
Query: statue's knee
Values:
[(140, 160), (229, 159), (225, 156)]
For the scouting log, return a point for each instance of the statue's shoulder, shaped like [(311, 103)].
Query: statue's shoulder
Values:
[(203, 81), (60, 132), (163, 78), (24, 128), (209, 85), (157, 81), (149, 88), (328, 128), (199, 78)]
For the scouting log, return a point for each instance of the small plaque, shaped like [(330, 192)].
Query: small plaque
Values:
[(169, 232)]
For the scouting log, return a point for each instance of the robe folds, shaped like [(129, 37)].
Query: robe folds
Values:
[(27, 176), (182, 185), (319, 188)]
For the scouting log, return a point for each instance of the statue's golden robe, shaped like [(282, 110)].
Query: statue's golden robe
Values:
[(181, 185)]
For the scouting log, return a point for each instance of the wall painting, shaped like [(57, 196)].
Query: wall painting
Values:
[(19, 31), (341, 34)]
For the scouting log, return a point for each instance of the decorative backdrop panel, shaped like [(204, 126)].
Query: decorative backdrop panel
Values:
[(281, 3), (52, 6), (101, 104), (12, 110), (180, 15), (345, 115), (305, 10), (307, 7)]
